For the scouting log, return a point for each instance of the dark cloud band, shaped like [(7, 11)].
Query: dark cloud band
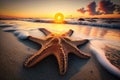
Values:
[(104, 7)]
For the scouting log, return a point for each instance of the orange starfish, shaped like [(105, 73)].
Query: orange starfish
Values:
[(58, 45)]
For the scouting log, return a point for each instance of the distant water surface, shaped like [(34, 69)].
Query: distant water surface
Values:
[(79, 30)]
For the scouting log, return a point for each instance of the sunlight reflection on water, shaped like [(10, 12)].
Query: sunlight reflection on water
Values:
[(79, 30)]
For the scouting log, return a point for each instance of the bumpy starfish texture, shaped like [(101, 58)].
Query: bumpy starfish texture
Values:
[(59, 45)]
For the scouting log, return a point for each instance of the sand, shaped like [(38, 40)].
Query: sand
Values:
[(13, 53), (113, 55)]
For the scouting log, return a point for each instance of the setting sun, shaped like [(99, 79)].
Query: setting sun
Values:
[(59, 18)]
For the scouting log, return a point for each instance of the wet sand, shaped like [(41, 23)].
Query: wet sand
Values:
[(13, 53), (113, 55)]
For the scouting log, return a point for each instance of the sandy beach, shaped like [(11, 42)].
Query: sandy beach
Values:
[(13, 53), (59, 39)]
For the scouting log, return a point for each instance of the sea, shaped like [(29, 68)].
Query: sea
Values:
[(107, 29)]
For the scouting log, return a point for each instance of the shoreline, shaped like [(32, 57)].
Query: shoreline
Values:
[(15, 51), (100, 51), (113, 55)]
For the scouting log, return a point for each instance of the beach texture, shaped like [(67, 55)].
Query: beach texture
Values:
[(13, 53), (113, 55)]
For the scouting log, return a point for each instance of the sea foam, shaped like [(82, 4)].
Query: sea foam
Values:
[(106, 25), (5, 25), (21, 34), (9, 29), (100, 54)]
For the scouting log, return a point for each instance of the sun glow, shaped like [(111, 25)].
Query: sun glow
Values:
[(59, 18)]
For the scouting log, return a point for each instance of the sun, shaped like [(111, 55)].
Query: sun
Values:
[(59, 18)]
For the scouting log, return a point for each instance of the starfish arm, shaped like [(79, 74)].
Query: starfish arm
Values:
[(75, 50), (80, 42), (45, 31), (62, 59), (81, 54), (77, 42), (69, 33), (35, 39), (37, 57)]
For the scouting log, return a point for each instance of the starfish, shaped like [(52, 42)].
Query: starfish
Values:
[(59, 45)]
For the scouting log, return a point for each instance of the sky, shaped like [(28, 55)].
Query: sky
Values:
[(69, 8)]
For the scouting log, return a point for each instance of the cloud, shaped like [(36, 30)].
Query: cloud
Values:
[(106, 6), (103, 7), (81, 10), (91, 8), (117, 9)]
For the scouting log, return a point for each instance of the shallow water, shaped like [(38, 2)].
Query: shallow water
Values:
[(83, 31)]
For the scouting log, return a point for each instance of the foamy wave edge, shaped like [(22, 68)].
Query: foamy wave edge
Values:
[(21, 34), (100, 54)]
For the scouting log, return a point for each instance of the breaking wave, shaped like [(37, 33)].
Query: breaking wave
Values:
[(21, 34)]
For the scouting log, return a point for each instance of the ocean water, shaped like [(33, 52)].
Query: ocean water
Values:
[(80, 31), (108, 23)]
